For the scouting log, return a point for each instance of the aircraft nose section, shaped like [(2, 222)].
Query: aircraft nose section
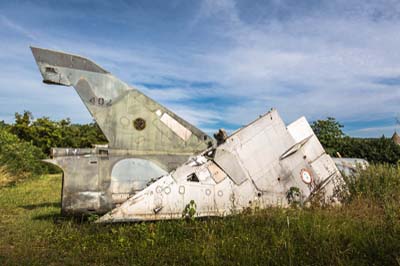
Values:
[(107, 218), (136, 208), (152, 203)]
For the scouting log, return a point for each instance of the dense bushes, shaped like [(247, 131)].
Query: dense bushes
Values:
[(335, 142), (46, 134), (18, 158), (25, 142), (379, 150)]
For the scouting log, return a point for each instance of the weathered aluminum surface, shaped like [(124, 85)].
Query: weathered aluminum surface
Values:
[(115, 106), (265, 177), (145, 139), (349, 166)]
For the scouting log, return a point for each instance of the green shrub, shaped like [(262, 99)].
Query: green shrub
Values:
[(374, 150), (20, 158), (46, 133)]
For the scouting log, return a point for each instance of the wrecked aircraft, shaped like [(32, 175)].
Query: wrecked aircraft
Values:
[(145, 139), (261, 165), (156, 164)]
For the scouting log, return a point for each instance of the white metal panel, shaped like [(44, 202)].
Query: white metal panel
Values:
[(261, 143), (231, 164), (176, 127), (243, 195), (300, 129), (203, 174), (324, 167), (216, 173), (223, 196), (349, 166), (202, 195), (270, 179)]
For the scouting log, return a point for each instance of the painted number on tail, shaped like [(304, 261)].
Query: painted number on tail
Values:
[(100, 101)]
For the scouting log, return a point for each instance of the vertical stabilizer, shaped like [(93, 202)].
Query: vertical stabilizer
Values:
[(129, 119)]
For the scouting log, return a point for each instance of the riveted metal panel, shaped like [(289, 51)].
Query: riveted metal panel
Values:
[(231, 164), (324, 167), (216, 173)]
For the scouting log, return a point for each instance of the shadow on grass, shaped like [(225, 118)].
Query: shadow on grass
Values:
[(58, 217), (41, 205), (55, 217)]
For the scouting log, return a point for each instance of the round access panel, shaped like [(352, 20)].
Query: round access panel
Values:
[(139, 123), (306, 176)]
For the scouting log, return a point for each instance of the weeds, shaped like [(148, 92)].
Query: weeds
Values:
[(363, 231)]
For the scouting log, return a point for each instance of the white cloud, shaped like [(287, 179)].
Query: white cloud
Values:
[(16, 27), (195, 116), (313, 65), (322, 61), (374, 131)]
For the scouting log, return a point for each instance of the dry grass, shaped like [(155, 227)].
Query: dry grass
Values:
[(5, 177)]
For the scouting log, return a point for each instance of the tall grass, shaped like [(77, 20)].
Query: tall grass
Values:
[(365, 230), (379, 183)]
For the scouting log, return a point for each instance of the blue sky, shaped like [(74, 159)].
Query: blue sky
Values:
[(216, 63)]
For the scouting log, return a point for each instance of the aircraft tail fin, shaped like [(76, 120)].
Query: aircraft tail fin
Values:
[(50, 62), (129, 119)]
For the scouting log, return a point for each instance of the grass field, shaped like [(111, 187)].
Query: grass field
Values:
[(364, 232)]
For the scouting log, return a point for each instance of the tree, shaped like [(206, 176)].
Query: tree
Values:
[(46, 133), (21, 127), (375, 150), (20, 158), (329, 133)]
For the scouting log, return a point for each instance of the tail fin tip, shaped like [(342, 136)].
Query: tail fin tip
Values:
[(53, 58)]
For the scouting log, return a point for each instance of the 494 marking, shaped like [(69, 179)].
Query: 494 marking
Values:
[(100, 101)]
